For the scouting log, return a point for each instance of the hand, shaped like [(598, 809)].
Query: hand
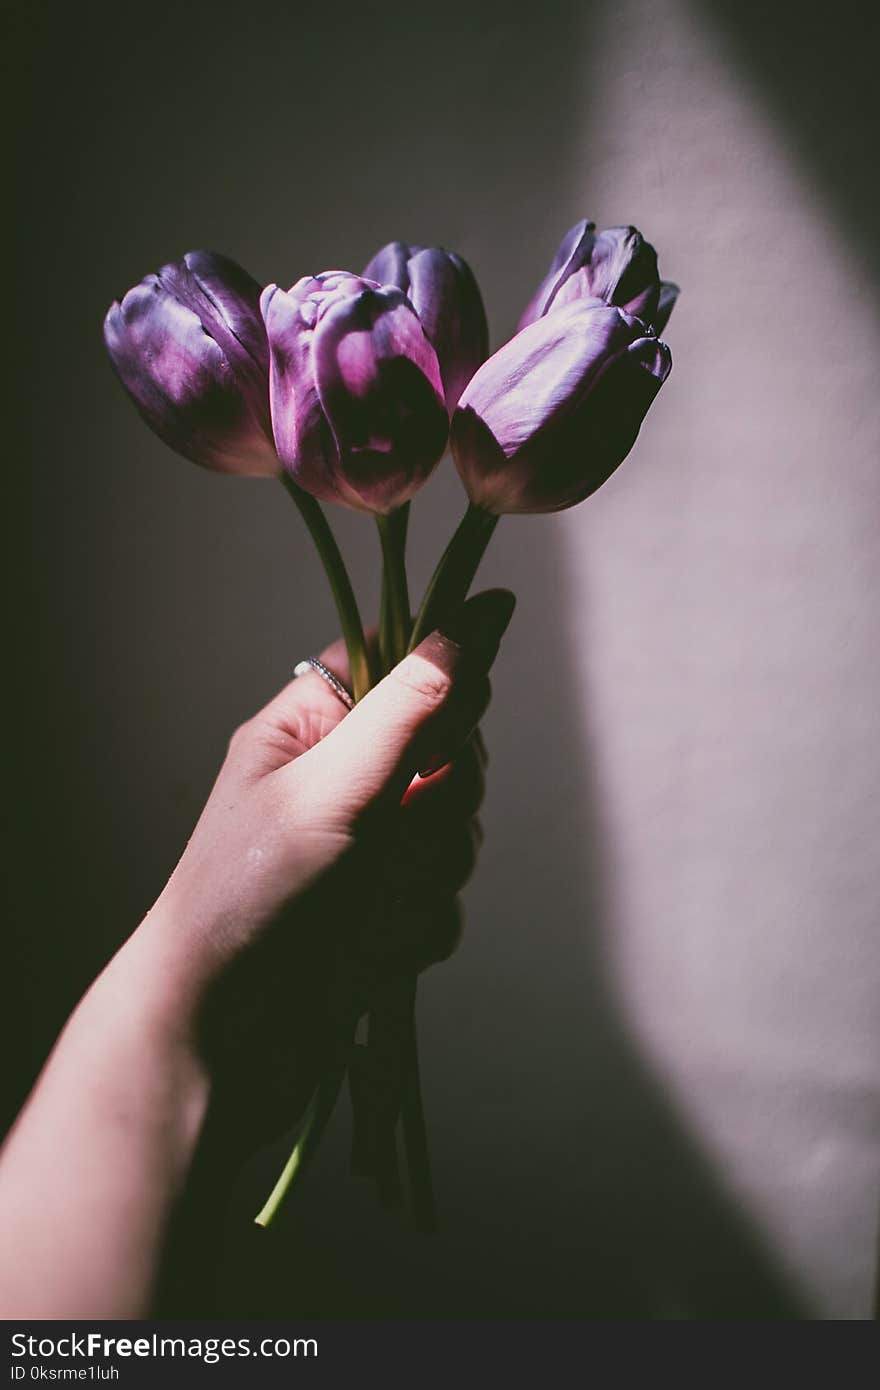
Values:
[(322, 861), (216, 1017)]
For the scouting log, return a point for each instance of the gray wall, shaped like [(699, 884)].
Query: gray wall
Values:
[(651, 1068)]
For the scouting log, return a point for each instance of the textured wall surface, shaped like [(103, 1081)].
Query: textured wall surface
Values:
[(651, 1068)]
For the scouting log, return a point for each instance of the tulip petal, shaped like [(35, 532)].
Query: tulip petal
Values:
[(551, 415), (544, 369), (444, 293), (302, 436), (616, 265), (447, 299), (188, 375), (574, 249), (379, 384), (355, 390), (389, 266), (624, 269), (668, 295), (569, 464), (235, 297), (227, 302)]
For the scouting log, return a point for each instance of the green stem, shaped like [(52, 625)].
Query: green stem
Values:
[(320, 1107), (396, 616), (397, 621), (340, 584), (386, 660), (394, 631), (415, 1136), (447, 589), (455, 572), (315, 1121)]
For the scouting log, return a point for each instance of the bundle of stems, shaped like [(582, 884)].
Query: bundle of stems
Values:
[(398, 634)]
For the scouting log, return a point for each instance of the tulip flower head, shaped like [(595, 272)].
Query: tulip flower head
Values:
[(189, 346), (616, 265), (549, 417), (444, 293), (355, 390)]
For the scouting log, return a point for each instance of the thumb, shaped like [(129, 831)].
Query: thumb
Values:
[(418, 717)]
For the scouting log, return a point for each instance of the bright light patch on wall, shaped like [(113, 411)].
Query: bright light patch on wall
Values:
[(723, 626)]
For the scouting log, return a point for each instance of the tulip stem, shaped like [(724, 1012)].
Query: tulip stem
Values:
[(455, 572), (315, 1121), (421, 1187), (340, 585), (385, 658), (396, 624), (396, 615)]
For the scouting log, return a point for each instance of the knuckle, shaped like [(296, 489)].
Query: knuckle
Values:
[(473, 786), (471, 849), (429, 683), (443, 935), (482, 696), (481, 752), (464, 794), (461, 858), (239, 738), (457, 792)]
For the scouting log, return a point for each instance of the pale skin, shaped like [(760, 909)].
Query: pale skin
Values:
[(318, 833)]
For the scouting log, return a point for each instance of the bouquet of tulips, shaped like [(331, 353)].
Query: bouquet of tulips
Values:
[(348, 387)]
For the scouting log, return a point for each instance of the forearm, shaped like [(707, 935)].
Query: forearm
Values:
[(92, 1169)]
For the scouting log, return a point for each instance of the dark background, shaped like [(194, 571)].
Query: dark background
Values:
[(152, 606)]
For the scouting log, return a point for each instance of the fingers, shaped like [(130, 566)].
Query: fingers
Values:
[(335, 657), (412, 936), (455, 792), (420, 715), (436, 932), (436, 865), (308, 708), (480, 746)]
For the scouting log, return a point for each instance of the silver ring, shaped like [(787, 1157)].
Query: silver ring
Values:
[(312, 663)]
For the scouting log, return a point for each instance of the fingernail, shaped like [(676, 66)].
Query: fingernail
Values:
[(452, 749), (476, 628), (434, 765), (479, 625)]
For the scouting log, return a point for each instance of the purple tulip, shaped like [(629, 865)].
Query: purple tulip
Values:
[(190, 348), (616, 265), (444, 293), (551, 415), (355, 390)]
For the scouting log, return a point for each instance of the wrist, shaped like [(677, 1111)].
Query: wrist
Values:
[(144, 991), (178, 951)]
